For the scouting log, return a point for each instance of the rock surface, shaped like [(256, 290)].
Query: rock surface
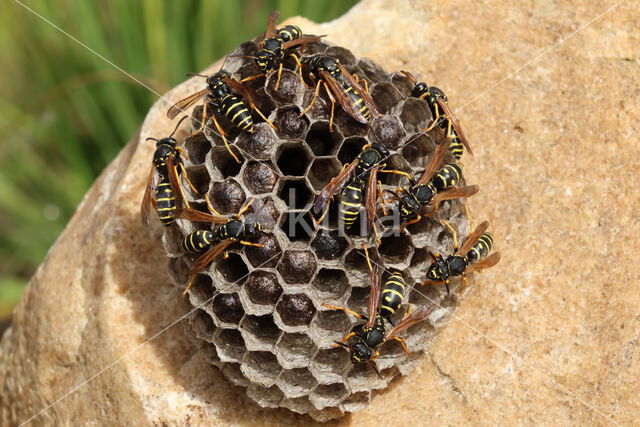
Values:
[(553, 330)]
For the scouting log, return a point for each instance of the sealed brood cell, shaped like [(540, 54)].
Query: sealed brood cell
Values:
[(262, 305)]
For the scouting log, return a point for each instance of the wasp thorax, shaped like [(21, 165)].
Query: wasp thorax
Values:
[(457, 265)]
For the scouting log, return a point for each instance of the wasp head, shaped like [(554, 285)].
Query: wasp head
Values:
[(420, 90), (360, 353), (439, 270), (217, 87), (252, 229)]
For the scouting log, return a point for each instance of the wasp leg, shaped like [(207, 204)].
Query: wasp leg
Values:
[(180, 189), (404, 345), (186, 177), (250, 78), (466, 211), (279, 76), (411, 221), (258, 245), (203, 121), (257, 110), (188, 285), (245, 207), (397, 172), (299, 66), (313, 100), (224, 139), (455, 235), (365, 85), (210, 206), (333, 106), (345, 339), (335, 307)]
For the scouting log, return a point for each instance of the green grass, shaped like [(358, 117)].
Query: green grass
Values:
[(65, 113)]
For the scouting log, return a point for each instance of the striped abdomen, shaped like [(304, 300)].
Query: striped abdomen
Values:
[(447, 177), (197, 242), (290, 32), (392, 294), (357, 100), (480, 249), (456, 147), (351, 201), (234, 108), (165, 201)]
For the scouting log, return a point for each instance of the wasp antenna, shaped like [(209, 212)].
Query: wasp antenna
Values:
[(375, 369), (243, 56), (343, 344), (195, 74), (410, 76), (178, 125), (151, 139)]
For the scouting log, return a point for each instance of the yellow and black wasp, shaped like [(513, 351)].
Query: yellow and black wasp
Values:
[(436, 184), (471, 256), (164, 179), (277, 45), (443, 116), (227, 97), (373, 334), (360, 173), (340, 86), (209, 244)]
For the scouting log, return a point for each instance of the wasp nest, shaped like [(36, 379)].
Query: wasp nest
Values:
[(260, 310)]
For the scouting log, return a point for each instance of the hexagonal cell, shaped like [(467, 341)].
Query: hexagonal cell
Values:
[(396, 249), (301, 405), (199, 177), (355, 263), (427, 232), (266, 397), (259, 332), (418, 152), (293, 159), (203, 325), (329, 326), (330, 285), (347, 125), (329, 245), (233, 373), (343, 55), (263, 288), (402, 83), (263, 210), (261, 367), (388, 130), (265, 256), (328, 395), (363, 378), (331, 365), (295, 193), (201, 289), (321, 141), (320, 109), (290, 124), (227, 197), (260, 177), (295, 350), (227, 308), (356, 401), (223, 164), (296, 310), (296, 382), (298, 226), (197, 148), (322, 171), (259, 144), (230, 345), (297, 266), (232, 269), (350, 149), (289, 88), (385, 95), (415, 115), (372, 70)]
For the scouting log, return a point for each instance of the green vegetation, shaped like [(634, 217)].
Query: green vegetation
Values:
[(65, 112)]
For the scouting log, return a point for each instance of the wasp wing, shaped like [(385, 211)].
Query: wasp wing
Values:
[(339, 92), (333, 187), (147, 200), (456, 193), (372, 196), (185, 103), (455, 123), (374, 296), (198, 216), (240, 89), (174, 180), (365, 95), (408, 321), (473, 238), (272, 20), (205, 259), (301, 41), (488, 262), (435, 162)]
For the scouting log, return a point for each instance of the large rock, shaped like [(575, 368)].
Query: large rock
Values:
[(549, 336)]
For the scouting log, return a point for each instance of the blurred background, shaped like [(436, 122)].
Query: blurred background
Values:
[(65, 113)]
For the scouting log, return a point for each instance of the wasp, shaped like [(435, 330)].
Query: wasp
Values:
[(436, 184), (277, 45), (339, 84), (209, 244), (164, 179), (471, 256), (373, 334), (442, 115), (227, 97), (361, 173)]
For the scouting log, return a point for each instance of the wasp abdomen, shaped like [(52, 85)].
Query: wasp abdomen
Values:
[(481, 248), (197, 242), (448, 176), (392, 294), (350, 202), (165, 201), (235, 109)]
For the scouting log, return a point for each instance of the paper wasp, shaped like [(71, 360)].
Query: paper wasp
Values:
[(442, 115), (213, 243), (436, 184), (227, 97), (373, 334), (360, 173), (164, 179), (471, 256), (277, 45), (341, 86)]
